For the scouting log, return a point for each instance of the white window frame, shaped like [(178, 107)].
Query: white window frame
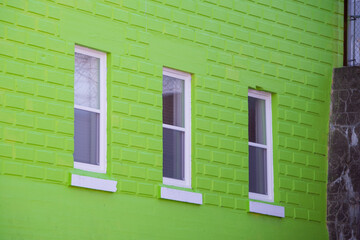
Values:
[(186, 77), (101, 168), (269, 147)]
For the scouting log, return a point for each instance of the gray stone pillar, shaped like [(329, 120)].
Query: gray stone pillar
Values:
[(343, 189)]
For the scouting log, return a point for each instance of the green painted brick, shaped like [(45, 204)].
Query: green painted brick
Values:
[(137, 141), (300, 158), (200, 168), (37, 7), (146, 189), (147, 158), (307, 173), (64, 127), (121, 138), (53, 12), (211, 170), (129, 124), (241, 175), (7, 15), (154, 175), (34, 172), (300, 186), (45, 124), (235, 189), (39, 74), (128, 186), (15, 68), (14, 101), (55, 142), (35, 138), (14, 135), (293, 171), (211, 141), (84, 5), (63, 159), (26, 54), (202, 153), (23, 119), (138, 172), (55, 175), (211, 26), (17, 4), (148, 128), (301, 213), (137, 110), (241, 204), (46, 59), (219, 157), (103, 10), (7, 49), (315, 216), (212, 199), (6, 150), (45, 156), (16, 35), (282, 47), (203, 183), (120, 15), (121, 107), (13, 168), (226, 144), (234, 159), (228, 202), (219, 186), (69, 3), (286, 184), (202, 38), (129, 155)]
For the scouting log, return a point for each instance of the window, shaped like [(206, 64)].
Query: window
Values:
[(176, 128), (90, 110), (260, 146)]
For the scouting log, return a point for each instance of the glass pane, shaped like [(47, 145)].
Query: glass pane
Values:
[(173, 154), (87, 81), (257, 120), (257, 170), (173, 101), (86, 137)]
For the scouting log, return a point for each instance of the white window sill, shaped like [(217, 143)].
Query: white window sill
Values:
[(267, 209), (93, 183), (181, 195)]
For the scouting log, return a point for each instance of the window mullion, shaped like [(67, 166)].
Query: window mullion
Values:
[(173, 127), (258, 145), (94, 110)]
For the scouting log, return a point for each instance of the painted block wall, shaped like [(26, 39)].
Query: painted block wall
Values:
[(287, 48)]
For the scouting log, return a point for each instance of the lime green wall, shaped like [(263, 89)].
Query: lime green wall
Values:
[(285, 47)]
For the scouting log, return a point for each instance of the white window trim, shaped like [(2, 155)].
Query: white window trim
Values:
[(93, 183), (181, 195), (186, 183), (101, 168), (269, 147), (267, 209)]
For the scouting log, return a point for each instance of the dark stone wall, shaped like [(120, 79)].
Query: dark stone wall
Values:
[(343, 189)]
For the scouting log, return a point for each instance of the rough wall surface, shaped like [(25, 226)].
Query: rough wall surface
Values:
[(344, 155), (285, 47)]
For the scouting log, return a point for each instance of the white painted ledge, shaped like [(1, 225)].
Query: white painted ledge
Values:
[(267, 209), (93, 183), (181, 196)]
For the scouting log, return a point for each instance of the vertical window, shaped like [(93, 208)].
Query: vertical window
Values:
[(260, 146), (176, 128), (90, 110)]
